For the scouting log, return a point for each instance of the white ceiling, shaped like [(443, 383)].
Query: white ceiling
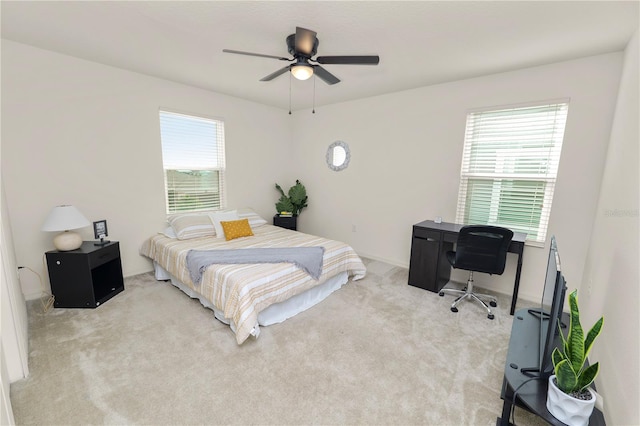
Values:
[(420, 43)]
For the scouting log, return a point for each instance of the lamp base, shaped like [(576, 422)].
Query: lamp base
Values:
[(67, 241)]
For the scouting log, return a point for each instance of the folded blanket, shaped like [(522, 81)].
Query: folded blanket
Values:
[(308, 259)]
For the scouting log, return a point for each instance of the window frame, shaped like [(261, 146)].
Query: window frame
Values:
[(215, 154), (497, 157)]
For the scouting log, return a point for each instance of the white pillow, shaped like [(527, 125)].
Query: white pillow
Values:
[(218, 217), (188, 226), (254, 219), (169, 232)]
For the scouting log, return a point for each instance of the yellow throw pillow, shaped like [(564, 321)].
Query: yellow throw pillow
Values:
[(236, 229)]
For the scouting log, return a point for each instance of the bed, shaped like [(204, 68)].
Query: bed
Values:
[(249, 295)]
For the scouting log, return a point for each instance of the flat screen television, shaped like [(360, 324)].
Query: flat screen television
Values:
[(550, 313)]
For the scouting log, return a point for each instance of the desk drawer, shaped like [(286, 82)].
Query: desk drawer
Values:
[(425, 234), (450, 237), (107, 254)]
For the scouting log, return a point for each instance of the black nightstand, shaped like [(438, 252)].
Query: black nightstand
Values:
[(286, 222), (86, 277)]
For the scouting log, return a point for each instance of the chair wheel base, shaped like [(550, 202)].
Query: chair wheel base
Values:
[(493, 304), (441, 294), (454, 309), (490, 316)]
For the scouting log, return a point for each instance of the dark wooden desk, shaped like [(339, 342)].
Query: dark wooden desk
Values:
[(429, 268), (524, 352)]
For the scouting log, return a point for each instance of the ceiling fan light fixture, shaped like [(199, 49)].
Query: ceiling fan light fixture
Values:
[(303, 46), (302, 72)]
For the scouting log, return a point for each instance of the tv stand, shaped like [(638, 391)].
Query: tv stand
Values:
[(538, 313), (521, 357)]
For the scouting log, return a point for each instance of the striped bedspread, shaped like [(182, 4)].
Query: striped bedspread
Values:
[(241, 292)]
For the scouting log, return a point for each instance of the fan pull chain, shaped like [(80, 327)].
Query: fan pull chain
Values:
[(289, 93), (313, 110)]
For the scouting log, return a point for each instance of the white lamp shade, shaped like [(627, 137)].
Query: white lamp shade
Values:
[(64, 218), (302, 72)]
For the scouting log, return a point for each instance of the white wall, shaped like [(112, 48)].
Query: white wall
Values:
[(15, 324), (87, 134), (6, 411), (14, 339), (82, 133), (611, 286), (406, 151), (77, 132)]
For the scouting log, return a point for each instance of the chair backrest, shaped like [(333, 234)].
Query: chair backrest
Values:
[(482, 248)]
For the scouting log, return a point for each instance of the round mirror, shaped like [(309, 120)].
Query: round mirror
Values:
[(338, 156)]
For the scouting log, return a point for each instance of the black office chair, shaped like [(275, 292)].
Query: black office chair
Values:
[(479, 248)]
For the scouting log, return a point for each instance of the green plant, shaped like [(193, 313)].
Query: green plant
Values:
[(294, 201), (572, 377)]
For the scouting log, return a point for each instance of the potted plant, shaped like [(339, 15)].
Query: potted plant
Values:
[(569, 398), (292, 203)]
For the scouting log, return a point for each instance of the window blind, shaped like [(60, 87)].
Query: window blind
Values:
[(509, 167), (193, 161)]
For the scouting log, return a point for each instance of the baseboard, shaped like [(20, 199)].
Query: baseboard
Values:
[(34, 296), (380, 259)]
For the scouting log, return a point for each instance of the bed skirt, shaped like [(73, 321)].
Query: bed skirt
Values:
[(273, 314)]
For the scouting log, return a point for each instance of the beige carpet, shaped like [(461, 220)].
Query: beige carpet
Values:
[(377, 351)]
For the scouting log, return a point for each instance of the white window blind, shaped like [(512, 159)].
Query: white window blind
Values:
[(509, 167), (193, 162)]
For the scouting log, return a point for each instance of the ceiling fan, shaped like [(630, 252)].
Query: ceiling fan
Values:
[(303, 45)]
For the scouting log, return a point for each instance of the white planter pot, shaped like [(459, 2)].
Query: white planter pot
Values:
[(567, 409)]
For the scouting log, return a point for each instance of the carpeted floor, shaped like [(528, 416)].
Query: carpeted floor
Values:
[(376, 351)]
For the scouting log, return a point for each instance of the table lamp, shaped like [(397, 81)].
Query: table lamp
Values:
[(65, 218)]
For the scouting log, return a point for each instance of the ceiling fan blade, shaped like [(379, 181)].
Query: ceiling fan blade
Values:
[(305, 41), (325, 75), (276, 74), (348, 60), (239, 52)]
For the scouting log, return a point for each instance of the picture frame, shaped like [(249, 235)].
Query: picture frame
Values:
[(100, 231)]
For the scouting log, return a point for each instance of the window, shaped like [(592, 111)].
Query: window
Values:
[(193, 162), (509, 167)]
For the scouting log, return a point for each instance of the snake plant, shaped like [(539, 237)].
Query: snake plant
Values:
[(294, 201), (572, 375)]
